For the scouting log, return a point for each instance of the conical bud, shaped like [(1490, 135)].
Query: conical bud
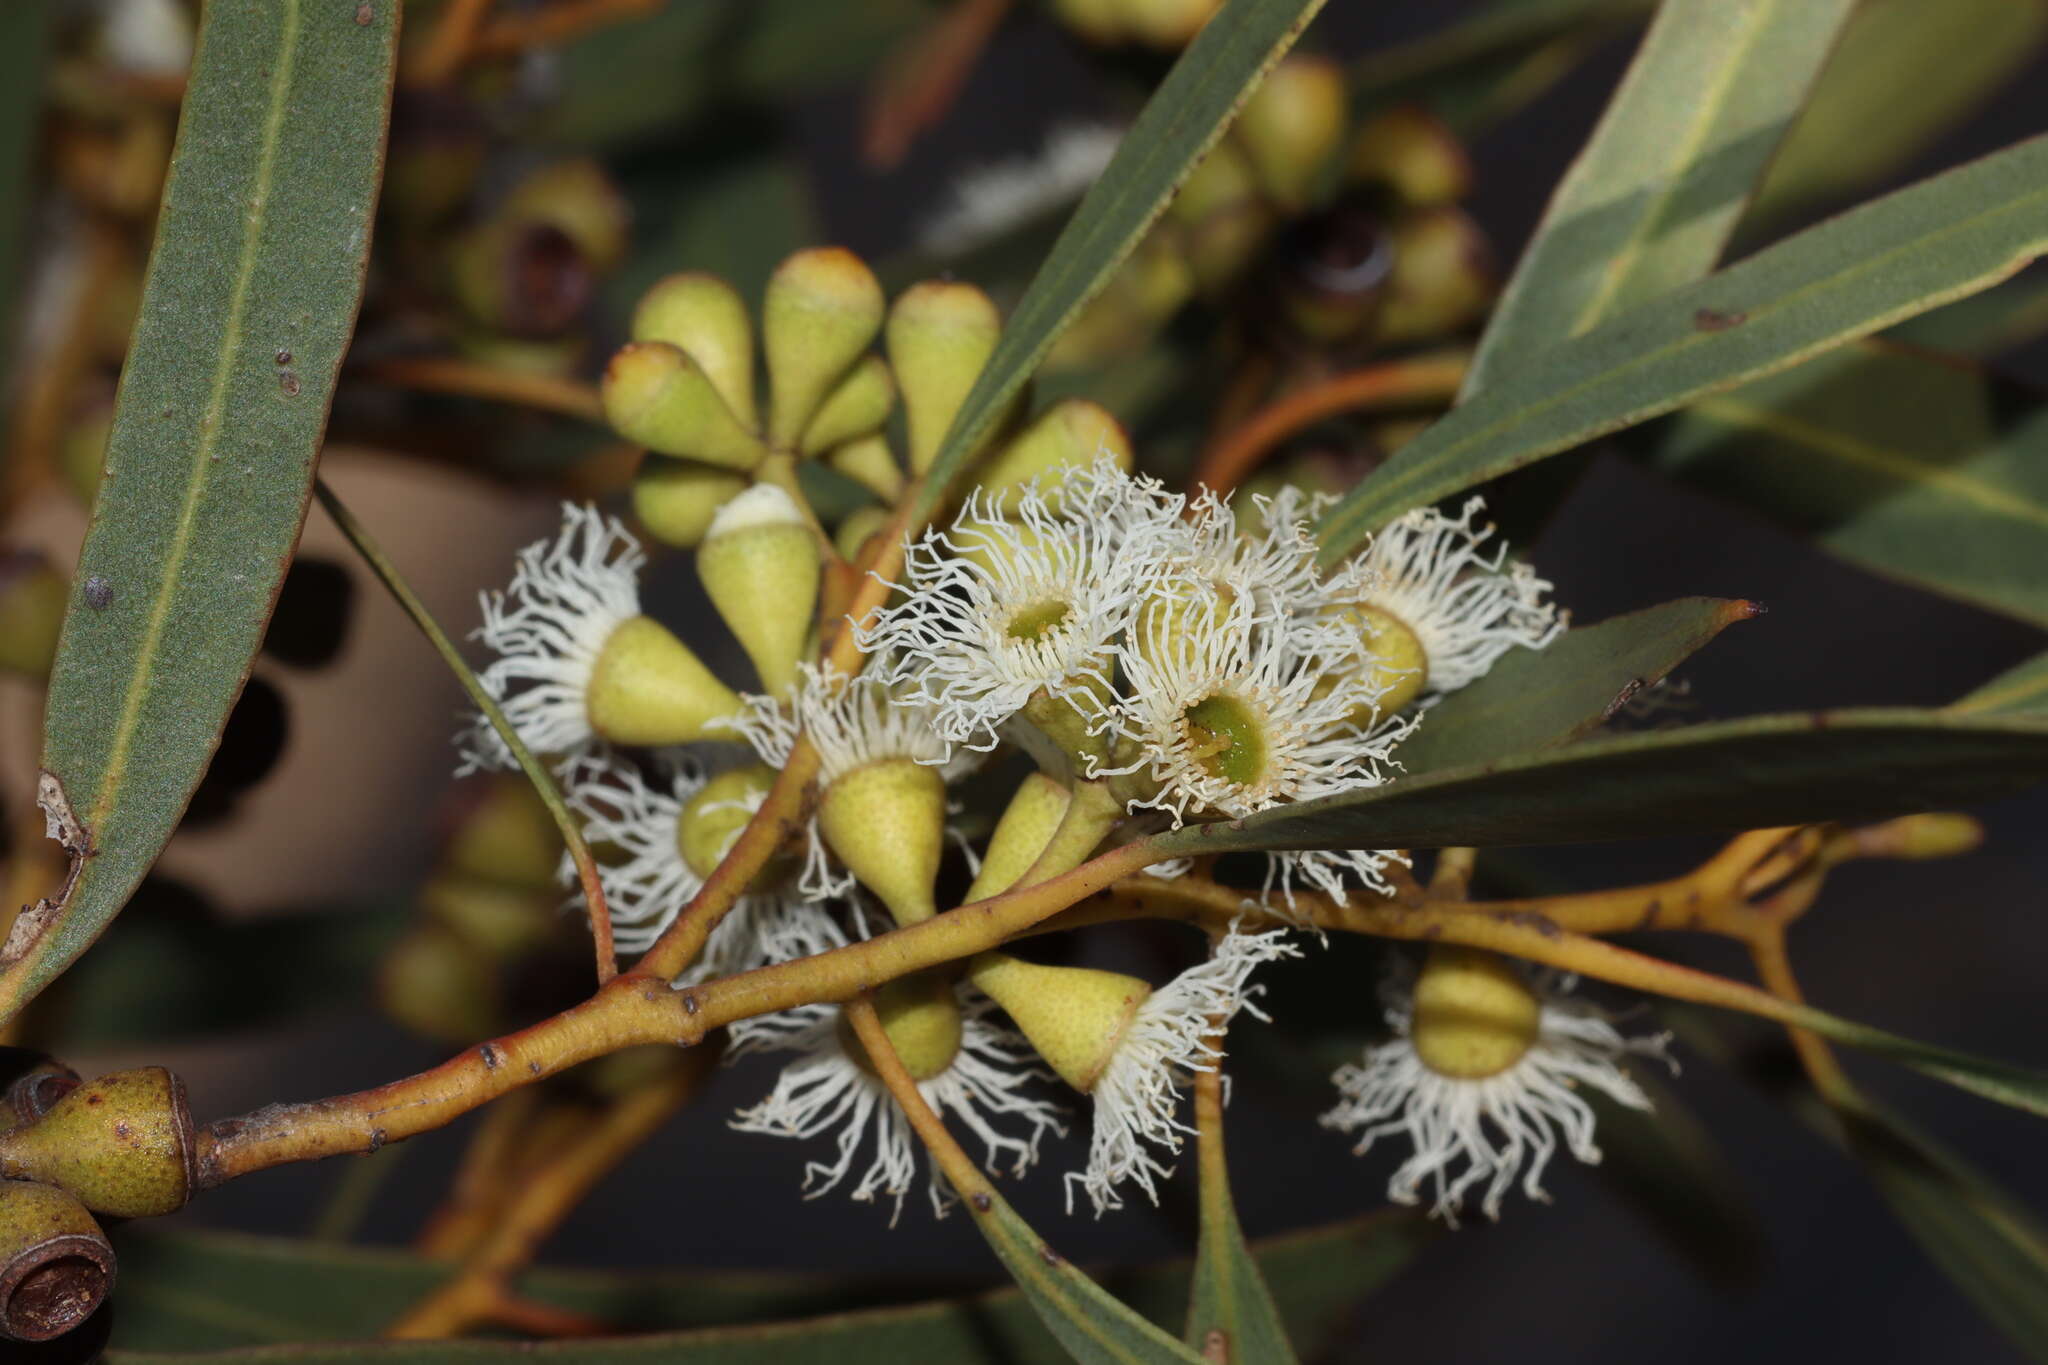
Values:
[(886, 821), (1074, 1016), (1072, 434), (713, 818), (648, 688), (1411, 152), (1026, 826), (921, 1015), (1292, 125), (760, 564), (122, 1144), (656, 395), (1474, 1015), (505, 835), (1442, 278), (676, 499), (853, 534), (32, 601), (822, 309), (856, 407), (940, 337), (705, 318), (55, 1264), (870, 463)]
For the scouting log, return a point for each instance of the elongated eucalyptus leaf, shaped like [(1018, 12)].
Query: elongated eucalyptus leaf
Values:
[(1935, 241), (1738, 774), (2017, 691), (1653, 197), (250, 299), (2017, 1086), (1231, 1313), (2009, 315), (1532, 699), (1900, 463), (1182, 120)]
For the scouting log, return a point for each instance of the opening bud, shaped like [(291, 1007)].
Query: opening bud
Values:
[(886, 821), (656, 395), (122, 1144), (1071, 434), (760, 564), (55, 1264), (648, 688), (1292, 126), (1074, 1016), (822, 308), (940, 337), (1473, 1016), (676, 499), (705, 318)]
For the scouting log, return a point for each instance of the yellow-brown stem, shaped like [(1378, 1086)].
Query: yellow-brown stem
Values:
[(959, 1169), (1774, 969), (444, 50), (469, 379)]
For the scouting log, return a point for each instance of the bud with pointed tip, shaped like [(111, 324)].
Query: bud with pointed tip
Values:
[(704, 317), (1026, 827), (648, 688), (1292, 125), (861, 525), (855, 408), (122, 1144), (921, 1015), (760, 564), (656, 395), (676, 499), (1073, 1016), (886, 821), (940, 336), (1442, 279), (1072, 434), (55, 1264), (1413, 153), (822, 308), (33, 597), (870, 463)]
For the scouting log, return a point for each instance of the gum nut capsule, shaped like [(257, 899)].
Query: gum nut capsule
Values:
[(705, 318), (886, 821), (1413, 153), (1073, 1016), (1026, 827), (861, 525), (676, 499), (35, 1082), (122, 1144), (33, 597), (940, 336), (55, 1264), (1072, 433), (822, 308), (760, 564), (656, 395), (648, 688), (856, 407), (1292, 126), (869, 462), (1442, 277), (527, 279)]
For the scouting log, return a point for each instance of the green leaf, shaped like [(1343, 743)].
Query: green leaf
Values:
[(1998, 319), (1729, 775), (1533, 699), (1231, 1313), (1905, 72), (1900, 463), (1657, 190), (2022, 689), (250, 300), (1985, 1076), (1905, 253), (1182, 120)]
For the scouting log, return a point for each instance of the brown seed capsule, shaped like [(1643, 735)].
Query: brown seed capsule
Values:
[(122, 1144), (55, 1263), (34, 1083)]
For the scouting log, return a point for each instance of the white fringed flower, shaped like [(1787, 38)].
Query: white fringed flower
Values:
[(1137, 1096), (990, 200), (827, 1090), (568, 595), (1469, 1131), (1429, 572), (1275, 562)]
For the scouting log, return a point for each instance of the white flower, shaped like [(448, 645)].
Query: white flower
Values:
[(1276, 564), (990, 200), (567, 597), (1468, 1131), (1137, 1096), (826, 1090)]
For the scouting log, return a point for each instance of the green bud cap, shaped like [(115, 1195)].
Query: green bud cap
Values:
[(1026, 827), (856, 407), (870, 463), (940, 337), (657, 396), (1412, 152), (705, 318), (760, 564), (1292, 125), (506, 835), (822, 309), (1074, 1016), (713, 818), (33, 597), (1442, 278), (860, 525), (1073, 433), (435, 983), (887, 822), (676, 499), (648, 688), (122, 1144), (921, 1015), (55, 1264)]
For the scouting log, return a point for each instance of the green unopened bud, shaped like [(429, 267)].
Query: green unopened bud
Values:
[(1021, 834), (657, 396), (856, 407), (1412, 152), (921, 1015), (499, 921), (1220, 181), (1937, 834), (435, 983), (1442, 276), (1098, 21), (760, 564), (1473, 1014), (705, 318), (1071, 434), (577, 198), (676, 499), (648, 688), (861, 525), (32, 600), (822, 309), (55, 1264), (870, 463), (122, 1144), (1292, 125), (887, 822), (713, 818), (1166, 24), (505, 835), (940, 337), (1074, 1016)]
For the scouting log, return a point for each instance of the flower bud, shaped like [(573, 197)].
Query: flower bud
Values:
[(1292, 125), (822, 308), (1026, 827), (713, 818), (704, 317), (857, 407), (55, 1264), (433, 982), (1442, 278), (886, 821), (921, 1015), (1166, 24), (32, 600), (578, 199), (861, 525), (760, 564), (122, 1144), (1220, 182), (1411, 152), (648, 688), (676, 499), (497, 921), (1935, 834), (940, 337), (505, 835), (1072, 433), (1096, 21), (870, 463), (655, 394), (1474, 1016), (1217, 250), (1073, 1016)]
